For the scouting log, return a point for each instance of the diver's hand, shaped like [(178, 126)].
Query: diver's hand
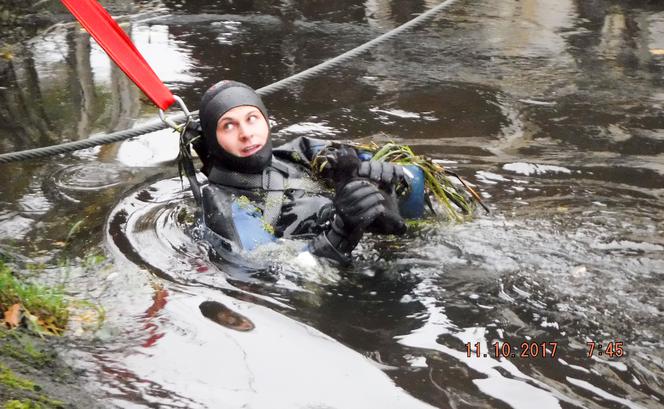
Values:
[(390, 220), (358, 203), (340, 164), (386, 174)]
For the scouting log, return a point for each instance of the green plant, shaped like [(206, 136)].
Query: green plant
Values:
[(458, 202), (20, 346), (45, 308), (10, 379)]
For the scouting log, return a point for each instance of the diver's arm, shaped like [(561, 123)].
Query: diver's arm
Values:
[(217, 215), (357, 204), (337, 243), (301, 150), (305, 150)]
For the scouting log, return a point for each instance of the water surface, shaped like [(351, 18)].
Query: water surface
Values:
[(552, 109)]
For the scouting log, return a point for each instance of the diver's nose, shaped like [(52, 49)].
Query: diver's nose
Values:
[(246, 133)]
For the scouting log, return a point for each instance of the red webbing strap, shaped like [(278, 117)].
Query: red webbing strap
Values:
[(117, 44)]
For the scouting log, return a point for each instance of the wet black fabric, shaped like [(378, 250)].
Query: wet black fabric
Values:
[(373, 183), (359, 202), (386, 173), (335, 222), (303, 214), (305, 208)]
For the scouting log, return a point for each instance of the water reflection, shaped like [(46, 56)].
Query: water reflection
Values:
[(553, 110)]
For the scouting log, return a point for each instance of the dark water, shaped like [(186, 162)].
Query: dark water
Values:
[(554, 111)]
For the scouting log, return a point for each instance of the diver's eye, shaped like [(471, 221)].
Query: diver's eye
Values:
[(228, 126), (253, 118)]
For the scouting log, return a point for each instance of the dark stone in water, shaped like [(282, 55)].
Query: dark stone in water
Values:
[(224, 316)]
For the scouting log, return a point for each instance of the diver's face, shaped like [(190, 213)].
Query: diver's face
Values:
[(242, 131)]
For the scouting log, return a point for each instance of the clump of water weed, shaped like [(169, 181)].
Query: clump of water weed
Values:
[(456, 200), (23, 347), (184, 216)]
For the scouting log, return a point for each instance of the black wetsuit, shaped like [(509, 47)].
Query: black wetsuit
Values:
[(290, 203), (251, 200)]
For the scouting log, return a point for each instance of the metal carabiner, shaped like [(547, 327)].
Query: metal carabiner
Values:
[(168, 121)]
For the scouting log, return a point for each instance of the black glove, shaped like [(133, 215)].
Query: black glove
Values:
[(342, 164), (358, 203), (338, 164), (392, 179), (387, 174), (390, 221)]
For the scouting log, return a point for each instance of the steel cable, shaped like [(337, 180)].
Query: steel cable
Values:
[(264, 91)]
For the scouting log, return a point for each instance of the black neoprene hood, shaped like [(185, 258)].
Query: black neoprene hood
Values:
[(219, 99)]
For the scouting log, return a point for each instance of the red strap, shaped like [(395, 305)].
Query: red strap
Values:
[(96, 20)]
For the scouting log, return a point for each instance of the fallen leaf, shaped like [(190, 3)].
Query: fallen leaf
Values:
[(13, 315), (159, 300), (657, 51), (33, 324), (49, 327)]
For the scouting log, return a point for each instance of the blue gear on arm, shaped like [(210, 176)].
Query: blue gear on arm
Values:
[(411, 206), (250, 225), (234, 217), (364, 155)]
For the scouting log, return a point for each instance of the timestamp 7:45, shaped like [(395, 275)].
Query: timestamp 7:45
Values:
[(610, 349)]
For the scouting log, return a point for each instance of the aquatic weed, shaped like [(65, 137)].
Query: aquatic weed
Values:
[(185, 217), (21, 404), (244, 202), (267, 226), (457, 203)]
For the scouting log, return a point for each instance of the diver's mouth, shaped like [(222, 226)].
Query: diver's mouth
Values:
[(251, 149)]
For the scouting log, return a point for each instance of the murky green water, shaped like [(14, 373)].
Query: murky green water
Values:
[(553, 110)]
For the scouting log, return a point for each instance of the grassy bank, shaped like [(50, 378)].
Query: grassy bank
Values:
[(40, 309), (32, 375)]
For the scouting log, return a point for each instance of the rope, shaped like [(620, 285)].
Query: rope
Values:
[(310, 72), (83, 144), (264, 91)]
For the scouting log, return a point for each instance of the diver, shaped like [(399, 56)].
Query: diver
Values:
[(256, 193)]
